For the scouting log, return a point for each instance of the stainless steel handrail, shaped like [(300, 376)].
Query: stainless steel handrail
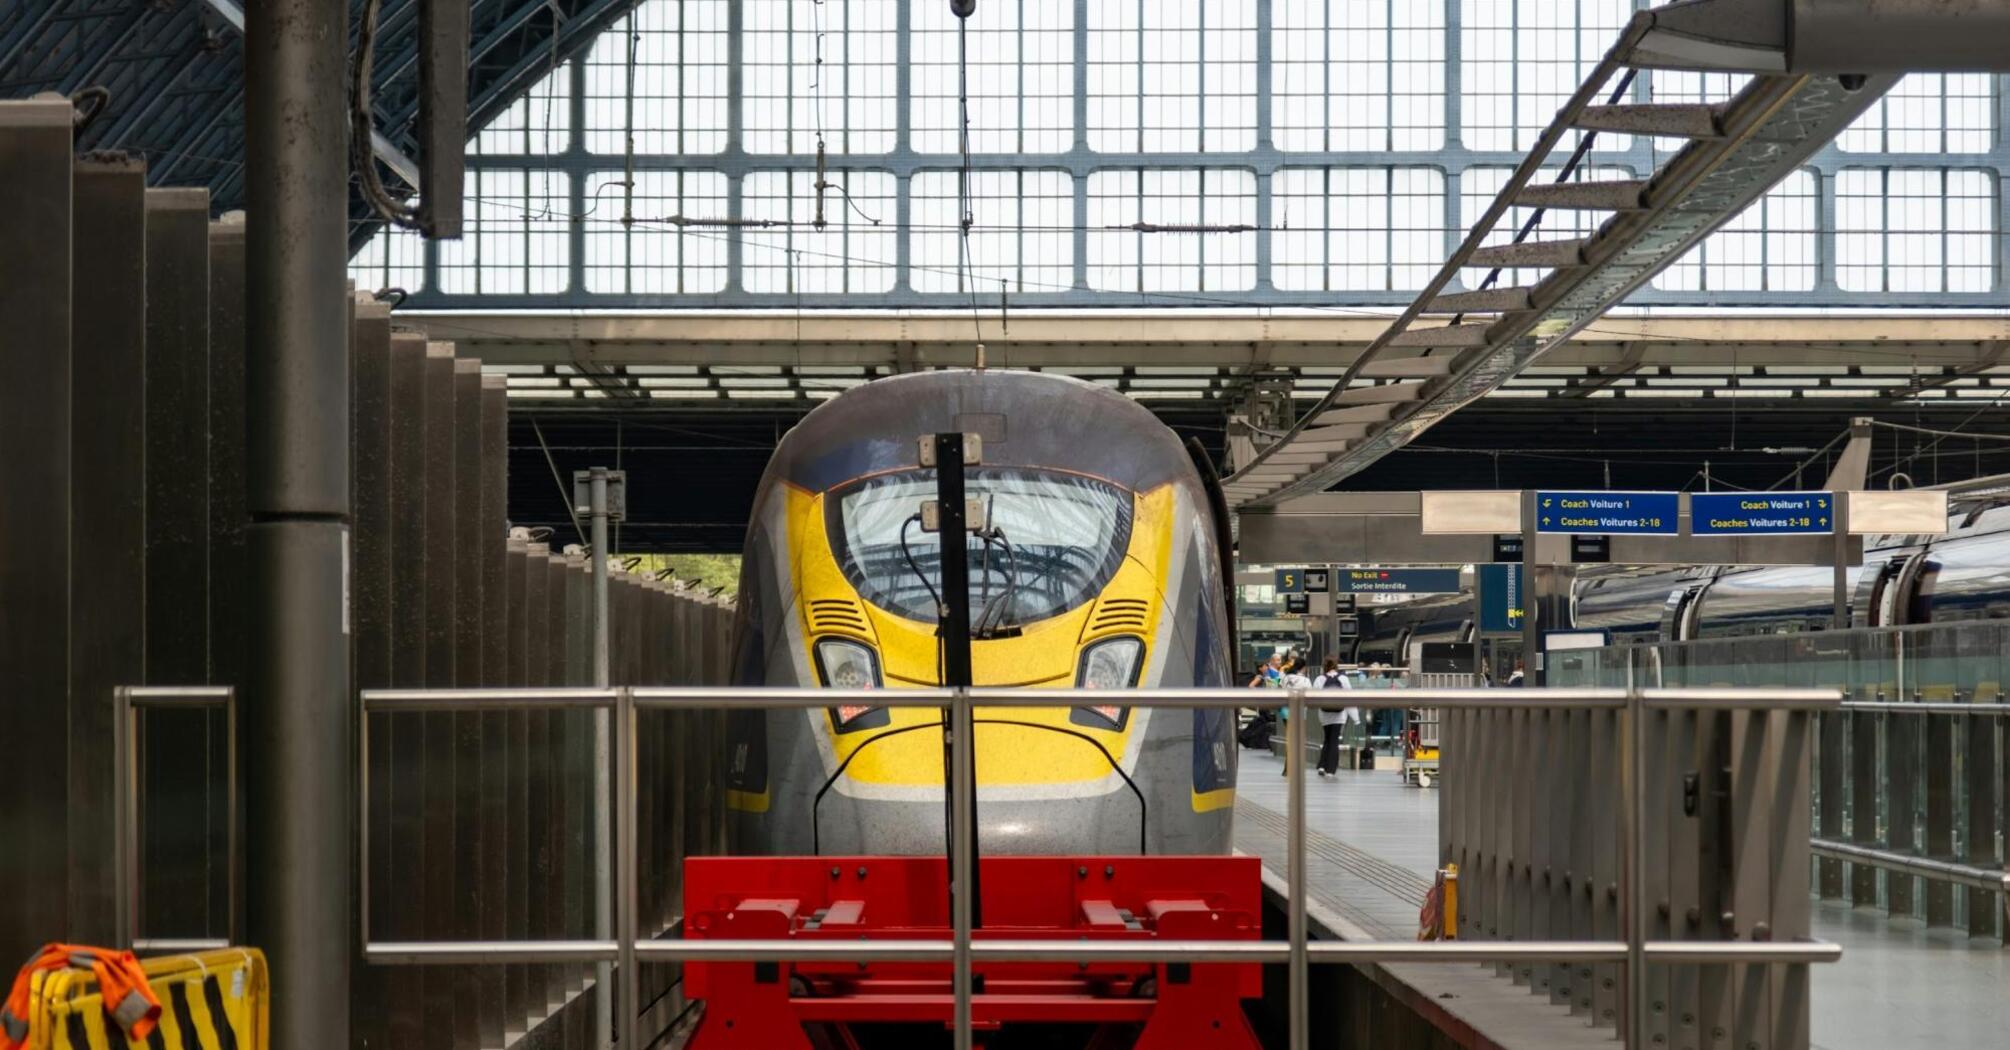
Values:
[(127, 703), (962, 951), (1992, 879), (1024, 951), (1979, 709)]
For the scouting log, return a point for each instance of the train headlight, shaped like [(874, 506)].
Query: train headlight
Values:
[(846, 664), (1110, 664)]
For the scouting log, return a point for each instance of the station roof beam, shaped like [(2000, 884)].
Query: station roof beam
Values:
[(1484, 301), (1665, 120), (1617, 195)]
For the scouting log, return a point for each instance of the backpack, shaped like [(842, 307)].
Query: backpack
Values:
[(1334, 680)]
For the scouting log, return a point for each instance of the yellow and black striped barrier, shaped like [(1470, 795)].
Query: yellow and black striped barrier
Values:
[(214, 1000)]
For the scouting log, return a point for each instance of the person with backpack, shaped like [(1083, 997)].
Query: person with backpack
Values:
[(1294, 678), (1333, 719)]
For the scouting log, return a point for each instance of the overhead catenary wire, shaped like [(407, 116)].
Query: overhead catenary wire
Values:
[(695, 227), (1959, 431), (690, 226), (1930, 432)]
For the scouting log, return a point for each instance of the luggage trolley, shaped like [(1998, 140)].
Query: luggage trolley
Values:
[(1420, 747), (1420, 732)]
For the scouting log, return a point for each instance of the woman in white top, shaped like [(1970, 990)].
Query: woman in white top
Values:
[(1332, 720)]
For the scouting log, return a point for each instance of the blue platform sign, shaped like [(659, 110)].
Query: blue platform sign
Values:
[(1501, 607), (1762, 513), (1396, 581), (1608, 513)]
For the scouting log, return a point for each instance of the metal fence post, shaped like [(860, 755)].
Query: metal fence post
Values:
[(1294, 771), (963, 837), (604, 502), (626, 788), (125, 817), (1633, 839)]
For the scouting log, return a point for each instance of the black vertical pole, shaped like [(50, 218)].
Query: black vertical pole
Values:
[(954, 625), (1533, 673), (297, 705)]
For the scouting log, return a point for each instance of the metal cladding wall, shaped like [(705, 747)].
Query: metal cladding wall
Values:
[(108, 504), (123, 561), (182, 833), (35, 347), (1534, 816)]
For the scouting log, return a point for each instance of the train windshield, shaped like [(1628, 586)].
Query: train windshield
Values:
[(1054, 540)]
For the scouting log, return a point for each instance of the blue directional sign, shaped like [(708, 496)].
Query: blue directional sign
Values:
[(1762, 513), (1501, 607), (1396, 581), (1608, 513)]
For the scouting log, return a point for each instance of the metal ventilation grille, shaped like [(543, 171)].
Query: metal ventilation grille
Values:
[(1115, 614), (836, 614)]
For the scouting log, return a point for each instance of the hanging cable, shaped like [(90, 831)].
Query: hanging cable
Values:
[(817, 104), (362, 127), (965, 212), (628, 140), (564, 496)]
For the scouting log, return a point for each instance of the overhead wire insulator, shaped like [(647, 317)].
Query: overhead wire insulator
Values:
[(1184, 227), (822, 183), (713, 222)]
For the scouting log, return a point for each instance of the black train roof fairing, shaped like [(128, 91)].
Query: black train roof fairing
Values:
[(1026, 419)]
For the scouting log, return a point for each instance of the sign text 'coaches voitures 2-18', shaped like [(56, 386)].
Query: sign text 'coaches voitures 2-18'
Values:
[(1762, 513), (1608, 513)]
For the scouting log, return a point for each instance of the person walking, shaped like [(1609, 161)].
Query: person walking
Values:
[(1270, 675), (1294, 678), (1333, 719)]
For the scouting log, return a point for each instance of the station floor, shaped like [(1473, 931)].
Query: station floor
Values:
[(1373, 847)]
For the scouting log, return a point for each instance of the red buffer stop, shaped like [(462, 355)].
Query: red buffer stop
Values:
[(1149, 1006)]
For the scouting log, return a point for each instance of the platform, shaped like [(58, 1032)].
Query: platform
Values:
[(1372, 845)]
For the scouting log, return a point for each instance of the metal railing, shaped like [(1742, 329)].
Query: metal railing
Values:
[(1994, 880), (627, 948), (1908, 769), (127, 703)]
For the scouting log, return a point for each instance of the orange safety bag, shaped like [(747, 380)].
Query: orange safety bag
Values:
[(79, 998)]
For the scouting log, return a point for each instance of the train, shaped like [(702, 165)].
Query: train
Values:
[(1904, 580), (1103, 565)]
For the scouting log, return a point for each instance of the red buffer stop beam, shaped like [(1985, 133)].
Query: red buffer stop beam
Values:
[(766, 1005)]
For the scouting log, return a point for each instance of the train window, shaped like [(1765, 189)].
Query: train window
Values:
[(1059, 538)]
